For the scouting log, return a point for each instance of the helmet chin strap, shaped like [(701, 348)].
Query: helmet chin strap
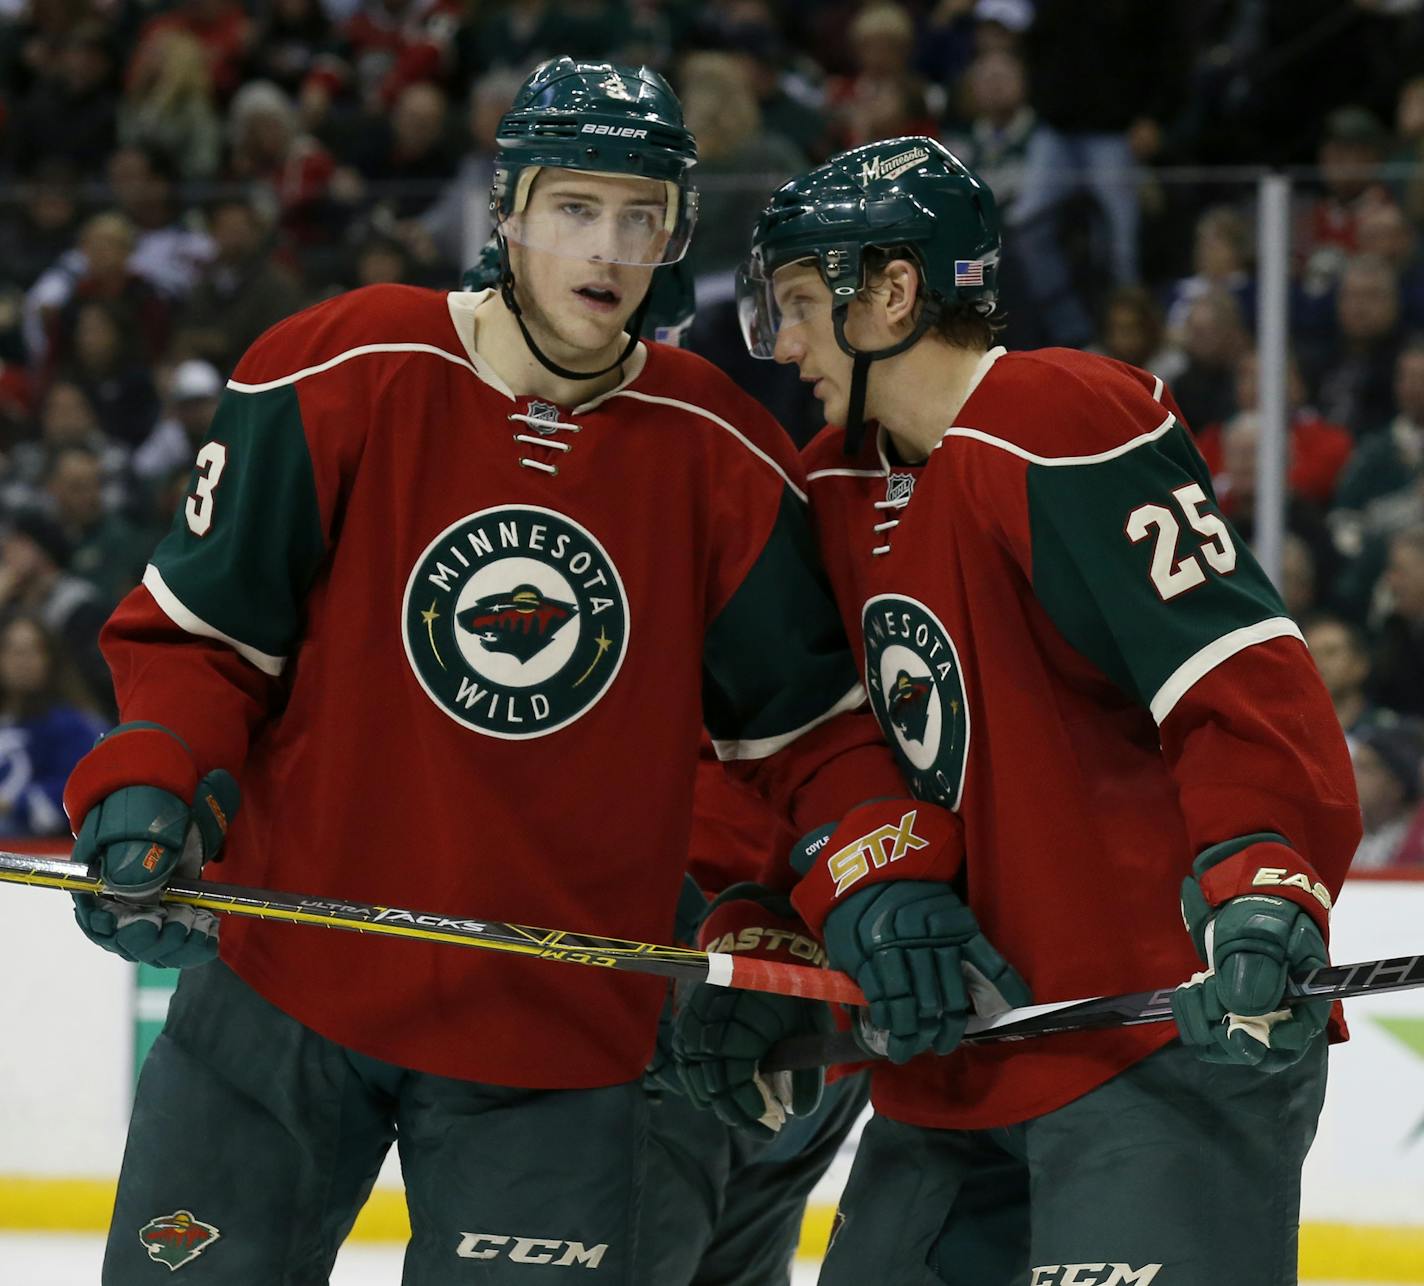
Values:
[(506, 291), (860, 366)]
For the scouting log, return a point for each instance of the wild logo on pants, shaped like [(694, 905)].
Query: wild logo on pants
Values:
[(176, 1239), (1094, 1275), (530, 1250)]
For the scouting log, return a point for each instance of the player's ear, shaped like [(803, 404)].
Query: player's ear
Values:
[(902, 291)]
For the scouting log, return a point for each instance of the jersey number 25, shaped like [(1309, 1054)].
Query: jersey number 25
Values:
[(1172, 575)]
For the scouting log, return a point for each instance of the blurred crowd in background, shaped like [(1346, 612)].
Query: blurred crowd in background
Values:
[(177, 176)]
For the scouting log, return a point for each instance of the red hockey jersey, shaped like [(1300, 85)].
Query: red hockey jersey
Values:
[(458, 647), (1066, 643)]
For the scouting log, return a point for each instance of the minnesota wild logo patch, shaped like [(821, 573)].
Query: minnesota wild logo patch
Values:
[(917, 692), (176, 1239), (515, 621)]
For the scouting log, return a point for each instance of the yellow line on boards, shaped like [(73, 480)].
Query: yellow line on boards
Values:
[(1328, 1251)]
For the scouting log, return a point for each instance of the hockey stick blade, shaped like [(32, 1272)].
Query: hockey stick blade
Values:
[(1334, 982), (718, 968)]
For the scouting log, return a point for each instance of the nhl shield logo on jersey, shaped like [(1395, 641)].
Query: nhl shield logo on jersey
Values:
[(543, 417), (515, 621), (917, 692), (176, 1239)]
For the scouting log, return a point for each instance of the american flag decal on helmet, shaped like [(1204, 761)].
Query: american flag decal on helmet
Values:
[(968, 272)]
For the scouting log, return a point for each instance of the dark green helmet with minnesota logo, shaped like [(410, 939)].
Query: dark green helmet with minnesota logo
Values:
[(901, 194), (602, 117)]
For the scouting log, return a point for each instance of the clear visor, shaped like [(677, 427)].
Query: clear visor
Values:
[(792, 296), (644, 224)]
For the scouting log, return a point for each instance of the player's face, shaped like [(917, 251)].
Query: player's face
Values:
[(571, 249), (806, 337)]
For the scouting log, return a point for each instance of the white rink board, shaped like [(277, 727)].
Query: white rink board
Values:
[(66, 1015)]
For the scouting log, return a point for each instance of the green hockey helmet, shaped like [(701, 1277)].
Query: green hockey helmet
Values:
[(605, 118), (909, 195)]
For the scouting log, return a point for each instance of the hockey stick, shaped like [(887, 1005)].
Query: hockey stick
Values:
[(716, 967), (1334, 982)]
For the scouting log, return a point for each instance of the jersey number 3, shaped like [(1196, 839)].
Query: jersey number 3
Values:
[(1172, 575), (212, 460)]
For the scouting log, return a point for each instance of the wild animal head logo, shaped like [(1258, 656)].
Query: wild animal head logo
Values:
[(522, 622), (176, 1239), (909, 704)]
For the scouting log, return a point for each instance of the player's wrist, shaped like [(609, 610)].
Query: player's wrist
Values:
[(747, 919), (875, 843), (133, 754), (1261, 864)]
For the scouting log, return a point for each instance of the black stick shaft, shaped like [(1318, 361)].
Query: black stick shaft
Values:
[(1333, 982)]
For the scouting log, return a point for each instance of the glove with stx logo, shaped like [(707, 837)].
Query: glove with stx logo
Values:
[(137, 833), (1252, 942), (904, 936), (722, 1034)]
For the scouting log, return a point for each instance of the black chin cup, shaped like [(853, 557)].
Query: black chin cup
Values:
[(506, 291), (860, 367)]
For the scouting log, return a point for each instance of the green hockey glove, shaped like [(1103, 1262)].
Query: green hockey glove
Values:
[(722, 1034), (138, 837), (1251, 943), (917, 953)]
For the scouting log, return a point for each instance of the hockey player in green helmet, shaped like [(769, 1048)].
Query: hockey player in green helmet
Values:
[(459, 582), (1068, 646)]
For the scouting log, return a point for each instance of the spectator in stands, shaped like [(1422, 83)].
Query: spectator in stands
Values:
[(34, 557), (1221, 259), (169, 252), (220, 26), (738, 163), (1300, 586), (1001, 125), (1094, 131), (1380, 488), (384, 47), (455, 228), (240, 294), (1387, 754), (885, 98), (67, 418), (1397, 670), (407, 155), (113, 372), (1235, 486), (1409, 132), (1317, 450), (1211, 341), (41, 222), (193, 391), (1384, 230), (1133, 332), (1353, 146), (101, 274), (47, 724), (1342, 655), (293, 39), (790, 104), (292, 171), (169, 107), (106, 549), (1354, 378), (69, 115)]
